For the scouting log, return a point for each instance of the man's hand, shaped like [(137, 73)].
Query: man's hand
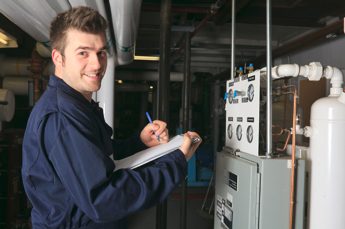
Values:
[(187, 147), (148, 137)]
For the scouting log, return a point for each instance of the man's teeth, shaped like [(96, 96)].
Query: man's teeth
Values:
[(92, 75)]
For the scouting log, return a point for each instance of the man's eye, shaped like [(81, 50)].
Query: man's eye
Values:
[(102, 53), (82, 53)]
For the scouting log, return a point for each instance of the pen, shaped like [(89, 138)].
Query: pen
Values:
[(148, 116)]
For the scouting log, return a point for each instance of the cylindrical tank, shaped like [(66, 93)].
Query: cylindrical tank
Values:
[(325, 163)]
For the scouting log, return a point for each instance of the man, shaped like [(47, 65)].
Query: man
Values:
[(67, 173)]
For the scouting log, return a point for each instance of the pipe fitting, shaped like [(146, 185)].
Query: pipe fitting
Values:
[(313, 71), (299, 130), (285, 70), (308, 131)]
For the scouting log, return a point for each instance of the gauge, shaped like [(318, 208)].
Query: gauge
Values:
[(250, 92), (250, 134), (231, 96), (230, 131), (239, 132)]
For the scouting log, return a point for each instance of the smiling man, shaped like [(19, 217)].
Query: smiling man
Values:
[(67, 172)]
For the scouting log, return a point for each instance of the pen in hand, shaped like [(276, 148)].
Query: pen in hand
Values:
[(149, 118)]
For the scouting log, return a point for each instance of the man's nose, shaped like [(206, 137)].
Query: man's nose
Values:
[(94, 61)]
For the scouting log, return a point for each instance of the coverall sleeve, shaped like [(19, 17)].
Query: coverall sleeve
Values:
[(128, 147), (86, 172)]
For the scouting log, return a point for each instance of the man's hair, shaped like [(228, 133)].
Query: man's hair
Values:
[(82, 18)]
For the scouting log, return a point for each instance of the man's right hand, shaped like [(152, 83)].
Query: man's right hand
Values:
[(187, 147)]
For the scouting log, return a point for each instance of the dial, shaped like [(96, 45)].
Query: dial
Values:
[(250, 92), (230, 131), (231, 96), (250, 134), (239, 132)]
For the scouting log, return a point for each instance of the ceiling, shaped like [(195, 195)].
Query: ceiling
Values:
[(211, 45)]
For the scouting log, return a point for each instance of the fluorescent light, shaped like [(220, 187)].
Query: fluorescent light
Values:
[(153, 58), (151, 87), (7, 41), (3, 41), (119, 81)]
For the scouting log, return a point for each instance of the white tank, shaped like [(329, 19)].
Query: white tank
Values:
[(326, 158)]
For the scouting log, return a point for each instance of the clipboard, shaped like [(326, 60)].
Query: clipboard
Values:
[(150, 154)]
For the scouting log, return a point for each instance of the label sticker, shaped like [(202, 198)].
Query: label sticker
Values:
[(245, 100), (250, 119), (251, 78), (230, 119), (219, 209), (228, 217), (235, 100), (239, 119), (233, 181), (231, 84), (219, 215), (245, 77), (237, 79)]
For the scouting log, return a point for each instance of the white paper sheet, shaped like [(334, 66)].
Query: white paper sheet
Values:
[(149, 154)]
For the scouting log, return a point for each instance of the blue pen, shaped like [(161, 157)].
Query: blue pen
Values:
[(148, 116)]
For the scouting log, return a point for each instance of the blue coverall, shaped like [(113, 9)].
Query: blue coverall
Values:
[(68, 174)]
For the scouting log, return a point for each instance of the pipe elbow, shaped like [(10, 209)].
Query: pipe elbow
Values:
[(337, 76), (286, 70)]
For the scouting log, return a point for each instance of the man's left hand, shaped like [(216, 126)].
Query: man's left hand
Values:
[(148, 137)]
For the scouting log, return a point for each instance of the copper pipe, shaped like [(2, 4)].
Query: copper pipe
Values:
[(287, 141), (293, 166)]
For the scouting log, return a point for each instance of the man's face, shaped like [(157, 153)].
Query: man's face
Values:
[(84, 62)]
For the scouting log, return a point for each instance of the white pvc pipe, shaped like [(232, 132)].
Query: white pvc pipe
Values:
[(125, 15), (314, 71), (19, 85)]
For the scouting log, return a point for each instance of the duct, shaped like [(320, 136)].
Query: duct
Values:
[(149, 76), (132, 87), (33, 16), (43, 50), (125, 16)]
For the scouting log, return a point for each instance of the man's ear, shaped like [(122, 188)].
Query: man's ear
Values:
[(57, 58)]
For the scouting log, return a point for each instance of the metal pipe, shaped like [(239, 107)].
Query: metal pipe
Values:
[(185, 125), (196, 30), (180, 10), (269, 83), (216, 119), (164, 88), (233, 18)]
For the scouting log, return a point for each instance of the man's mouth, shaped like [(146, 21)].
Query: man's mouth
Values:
[(92, 75)]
